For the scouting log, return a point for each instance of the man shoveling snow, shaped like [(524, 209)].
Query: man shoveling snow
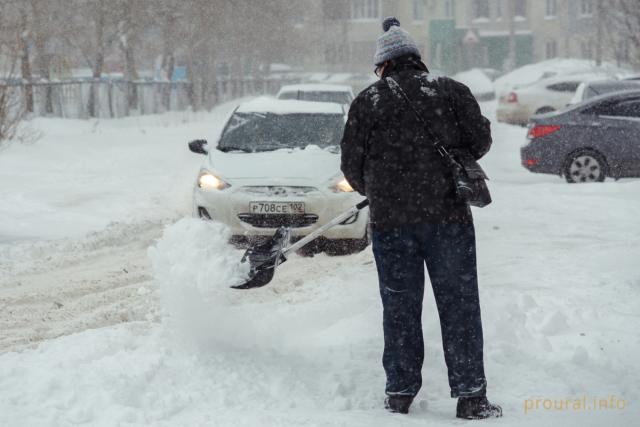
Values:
[(389, 156)]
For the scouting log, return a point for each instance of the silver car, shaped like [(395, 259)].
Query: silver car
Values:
[(588, 142)]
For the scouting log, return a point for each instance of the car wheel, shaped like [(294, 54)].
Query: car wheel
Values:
[(585, 166), (545, 110)]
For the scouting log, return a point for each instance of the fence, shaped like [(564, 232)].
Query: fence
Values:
[(121, 98)]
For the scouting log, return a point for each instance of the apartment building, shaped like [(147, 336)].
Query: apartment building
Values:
[(459, 34), (340, 35)]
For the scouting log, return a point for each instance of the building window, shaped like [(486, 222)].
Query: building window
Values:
[(550, 8), (449, 8), (481, 8), (551, 49), (418, 10), (498, 9), (520, 8), (586, 7), (365, 9)]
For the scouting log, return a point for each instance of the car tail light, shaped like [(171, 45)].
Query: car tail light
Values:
[(537, 131), (512, 98)]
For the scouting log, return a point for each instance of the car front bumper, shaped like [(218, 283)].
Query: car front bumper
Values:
[(231, 207)]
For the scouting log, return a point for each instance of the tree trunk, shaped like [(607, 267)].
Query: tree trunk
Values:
[(25, 64), (511, 13), (600, 14), (168, 57), (127, 41), (131, 76), (42, 58), (98, 63)]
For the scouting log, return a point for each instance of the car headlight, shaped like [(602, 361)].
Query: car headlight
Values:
[(208, 181), (342, 186)]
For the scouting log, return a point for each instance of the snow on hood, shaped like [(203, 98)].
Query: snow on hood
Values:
[(311, 166)]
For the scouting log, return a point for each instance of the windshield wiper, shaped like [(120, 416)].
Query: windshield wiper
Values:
[(228, 149)]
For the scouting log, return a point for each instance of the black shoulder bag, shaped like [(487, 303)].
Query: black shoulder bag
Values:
[(468, 176)]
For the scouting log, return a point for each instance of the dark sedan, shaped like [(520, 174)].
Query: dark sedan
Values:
[(588, 142)]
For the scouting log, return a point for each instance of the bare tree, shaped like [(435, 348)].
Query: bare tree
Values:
[(12, 109), (131, 22), (629, 18)]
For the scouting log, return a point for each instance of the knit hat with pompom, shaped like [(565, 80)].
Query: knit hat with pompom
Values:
[(394, 42)]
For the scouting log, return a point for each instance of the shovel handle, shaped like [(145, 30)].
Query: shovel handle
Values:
[(363, 204), (317, 233)]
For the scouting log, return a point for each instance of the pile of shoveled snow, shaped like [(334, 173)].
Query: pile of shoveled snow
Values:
[(194, 267)]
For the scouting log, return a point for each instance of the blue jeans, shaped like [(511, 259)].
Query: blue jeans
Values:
[(449, 252)]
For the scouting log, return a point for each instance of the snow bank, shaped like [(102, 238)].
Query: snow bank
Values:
[(83, 175)]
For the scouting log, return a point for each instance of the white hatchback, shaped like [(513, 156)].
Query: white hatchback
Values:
[(277, 163)]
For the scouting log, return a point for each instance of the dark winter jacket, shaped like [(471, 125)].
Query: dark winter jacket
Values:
[(388, 157)]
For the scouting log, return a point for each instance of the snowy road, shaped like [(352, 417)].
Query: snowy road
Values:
[(146, 338)]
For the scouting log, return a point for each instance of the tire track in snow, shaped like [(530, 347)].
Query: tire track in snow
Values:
[(61, 287)]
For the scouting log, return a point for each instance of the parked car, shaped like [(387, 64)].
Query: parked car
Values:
[(517, 106), (340, 94), (277, 163), (480, 85), (589, 141), (590, 90)]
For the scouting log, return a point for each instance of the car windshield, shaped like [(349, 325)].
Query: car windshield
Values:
[(253, 132), (337, 97)]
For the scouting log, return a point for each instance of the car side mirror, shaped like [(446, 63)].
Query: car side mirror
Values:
[(199, 146)]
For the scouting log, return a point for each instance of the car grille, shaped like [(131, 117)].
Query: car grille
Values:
[(279, 191), (275, 221)]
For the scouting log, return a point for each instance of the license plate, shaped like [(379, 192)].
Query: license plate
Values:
[(277, 208)]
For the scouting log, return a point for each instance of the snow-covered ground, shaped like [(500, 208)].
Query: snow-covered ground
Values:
[(114, 306)]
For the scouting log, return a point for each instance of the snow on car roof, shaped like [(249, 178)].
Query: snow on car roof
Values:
[(315, 87), (476, 80), (531, 73), (562, 78), (265, 104)]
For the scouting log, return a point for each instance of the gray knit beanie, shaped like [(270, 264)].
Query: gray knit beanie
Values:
[(394, 42)]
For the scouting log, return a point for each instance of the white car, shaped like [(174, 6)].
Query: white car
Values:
[(340, 94), (277, 163), (543, 96)]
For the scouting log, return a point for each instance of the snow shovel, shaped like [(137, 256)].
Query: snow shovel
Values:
[(264, 258)]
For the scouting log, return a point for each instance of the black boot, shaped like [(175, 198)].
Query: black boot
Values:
[(477, 408), (398, 403)]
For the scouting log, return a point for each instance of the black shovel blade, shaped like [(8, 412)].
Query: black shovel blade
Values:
[(263, 260)]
